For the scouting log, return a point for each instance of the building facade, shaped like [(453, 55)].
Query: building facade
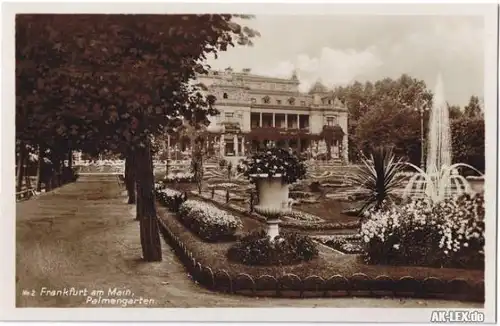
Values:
[(256, 110)]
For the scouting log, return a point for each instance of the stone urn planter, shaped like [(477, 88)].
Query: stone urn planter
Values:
[(273, 200), (273, 192), (272, 171)]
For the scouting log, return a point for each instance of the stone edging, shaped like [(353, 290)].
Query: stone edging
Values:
[(291, 285)]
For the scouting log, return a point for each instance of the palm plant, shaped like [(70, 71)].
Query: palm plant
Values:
[(378, 178)]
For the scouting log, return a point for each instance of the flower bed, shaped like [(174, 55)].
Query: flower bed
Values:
[(302, 216), (224, 185), (348, 244), (449, 233), (329, 275), (170, 198), (295, 224), (207, 221), (257, 248), (180, 177)]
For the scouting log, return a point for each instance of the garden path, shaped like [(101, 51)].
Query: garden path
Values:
[(84, 235)]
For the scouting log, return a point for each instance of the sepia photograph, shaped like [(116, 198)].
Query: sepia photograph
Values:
[(231, 156)]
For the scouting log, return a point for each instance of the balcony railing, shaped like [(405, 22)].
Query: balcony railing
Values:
[(292, 129)]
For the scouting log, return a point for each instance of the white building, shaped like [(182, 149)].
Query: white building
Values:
[(257, 109)]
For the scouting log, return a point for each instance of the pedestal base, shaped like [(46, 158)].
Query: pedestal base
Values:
[(273, 229)]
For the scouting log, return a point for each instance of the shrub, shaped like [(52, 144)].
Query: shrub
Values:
[(449, 233), (222, 163), (298, 194), (207, 221), (170, 198), (257, 248), (315, 186), (378, 177)]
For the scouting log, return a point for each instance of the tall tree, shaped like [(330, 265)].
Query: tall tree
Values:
[(473, 109), (140, 87), (455, 112), (468, 141), (384, 113)]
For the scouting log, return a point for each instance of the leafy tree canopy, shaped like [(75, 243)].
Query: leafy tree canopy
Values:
[(115, 79)]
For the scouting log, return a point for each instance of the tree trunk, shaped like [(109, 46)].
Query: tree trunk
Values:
[(197, 164), (167, 166), (70, 160), (58, 167), (150, 237), (41, 152), (27, 176), (130, 178), (138, 205), (55, 174), (49, 178), (20, 166)]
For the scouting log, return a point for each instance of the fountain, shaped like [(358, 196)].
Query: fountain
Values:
[(440, 179)]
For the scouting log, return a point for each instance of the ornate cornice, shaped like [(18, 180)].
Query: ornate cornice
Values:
[(257, 91), (280, 107), (283, 107), (250, 77)]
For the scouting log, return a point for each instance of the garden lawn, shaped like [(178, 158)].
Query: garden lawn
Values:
[(329, 210), (328, 263)]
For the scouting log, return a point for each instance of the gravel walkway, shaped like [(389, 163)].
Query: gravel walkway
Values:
[(83, 236)]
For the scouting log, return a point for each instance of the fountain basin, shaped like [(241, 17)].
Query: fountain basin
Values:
[(477, 184)]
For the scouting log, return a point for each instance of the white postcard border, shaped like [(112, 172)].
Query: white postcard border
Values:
[(7, 236)]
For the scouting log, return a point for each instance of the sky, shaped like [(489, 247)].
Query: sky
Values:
[(341, 49)]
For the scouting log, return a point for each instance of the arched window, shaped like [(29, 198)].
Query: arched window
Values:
[(225, 96), (330, 101)]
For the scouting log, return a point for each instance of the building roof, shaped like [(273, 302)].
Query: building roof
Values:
[(318, 87)]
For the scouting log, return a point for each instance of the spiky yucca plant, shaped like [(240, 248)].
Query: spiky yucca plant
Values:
[(378, 177)]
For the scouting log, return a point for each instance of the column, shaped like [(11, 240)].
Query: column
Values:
[(235, 145), (274, 120), (286, 120), (260, 122), (242, 146), (221, 145), (345, 149), (298, 122)]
